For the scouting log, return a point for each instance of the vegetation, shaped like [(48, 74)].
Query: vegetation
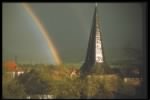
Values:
[(56, 81), (12, 89)]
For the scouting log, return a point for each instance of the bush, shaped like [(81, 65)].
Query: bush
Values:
[(33, 84), (66, 88), (12, 89), (100, 86)]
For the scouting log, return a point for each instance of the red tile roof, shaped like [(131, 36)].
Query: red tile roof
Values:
[(10, 65)]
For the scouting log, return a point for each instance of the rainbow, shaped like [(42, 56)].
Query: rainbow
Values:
[(44, 33)]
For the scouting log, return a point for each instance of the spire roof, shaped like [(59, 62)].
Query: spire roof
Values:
[(96, 4)]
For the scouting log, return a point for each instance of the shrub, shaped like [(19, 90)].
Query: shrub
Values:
[(12, 89)]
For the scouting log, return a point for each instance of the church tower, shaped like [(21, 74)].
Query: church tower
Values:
[(95, 58)]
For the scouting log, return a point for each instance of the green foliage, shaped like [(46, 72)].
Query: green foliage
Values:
[(127, 90), (12, 89), (33, 84), (100, 86), (55, 80), (66, 88)]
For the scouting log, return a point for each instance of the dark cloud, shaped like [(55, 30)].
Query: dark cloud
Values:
[(69, 27)]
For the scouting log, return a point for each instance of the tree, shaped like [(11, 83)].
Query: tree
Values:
[(12, 89), (33, 84), (139, 60)]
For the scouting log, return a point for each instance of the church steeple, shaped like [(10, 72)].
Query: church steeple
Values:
[(99, 51), (95, 54)]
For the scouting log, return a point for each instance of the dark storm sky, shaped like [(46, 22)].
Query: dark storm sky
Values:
[(69, 26)]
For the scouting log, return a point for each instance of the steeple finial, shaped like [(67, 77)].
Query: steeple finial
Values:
[(96, 4)]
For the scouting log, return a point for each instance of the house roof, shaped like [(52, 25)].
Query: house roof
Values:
[(10, 65)]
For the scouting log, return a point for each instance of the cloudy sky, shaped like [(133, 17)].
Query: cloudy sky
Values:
[(69, 25)]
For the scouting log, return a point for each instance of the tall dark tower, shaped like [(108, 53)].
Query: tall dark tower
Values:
[(95, 58)]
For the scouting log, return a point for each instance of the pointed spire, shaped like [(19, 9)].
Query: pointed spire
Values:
[(96, 8), (96, 4), (95, 53)]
